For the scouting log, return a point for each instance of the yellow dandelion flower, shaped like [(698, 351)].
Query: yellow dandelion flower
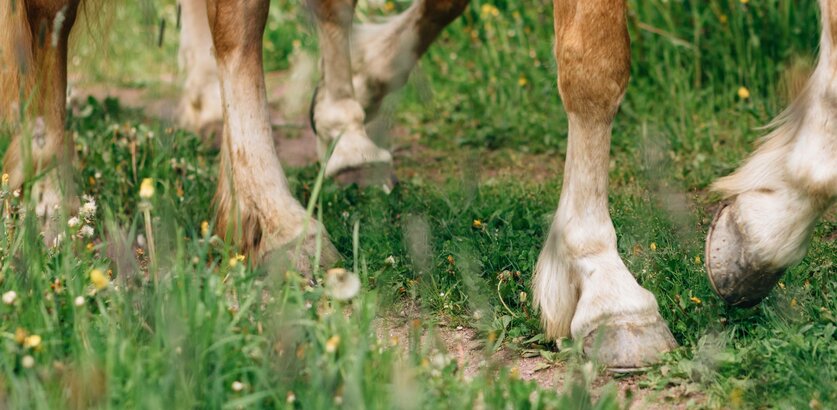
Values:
[(723, 18), (744, 1), (332, 343), (523, 297), (695, 300), (20, 335), (736, 398), (5, 179), (514, 373), (697, 260), (522, 81), (793, 303), (477, 224), (204, 228), (236, 259), (99, 279), (653, 246), (90, 246), (389, 6), (489, 10), (743, 93), (32, 341), (146, 188)]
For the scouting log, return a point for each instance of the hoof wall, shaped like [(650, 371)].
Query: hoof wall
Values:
[(626, 348), (737, 280), (378, 174)]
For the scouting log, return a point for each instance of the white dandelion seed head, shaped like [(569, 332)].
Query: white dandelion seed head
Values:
[(9, 297), (79, 301), (27, 362), (74, 222), (237, 386), (342, 284)]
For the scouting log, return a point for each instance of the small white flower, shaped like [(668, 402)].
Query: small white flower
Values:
[(86, 231), (57, 240), (88, 210), (79, 301), (9, 297), (27, 361), (341, 284), (237, 386), (390, 260), (74, 222)]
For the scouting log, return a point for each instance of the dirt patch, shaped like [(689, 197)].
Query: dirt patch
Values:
[(468, 348)]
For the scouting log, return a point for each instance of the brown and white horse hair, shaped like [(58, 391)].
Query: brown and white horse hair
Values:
[(581, 286)]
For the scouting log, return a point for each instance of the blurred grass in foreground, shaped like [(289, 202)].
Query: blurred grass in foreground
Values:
[(488, 85)]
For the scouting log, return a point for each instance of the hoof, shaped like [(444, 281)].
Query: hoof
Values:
[(378, 174), (300, 255), (737, 279), (627, 347)]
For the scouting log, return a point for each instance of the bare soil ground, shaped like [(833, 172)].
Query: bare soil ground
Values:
[(296, 145)]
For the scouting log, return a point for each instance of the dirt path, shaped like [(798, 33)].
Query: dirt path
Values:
[(468, 349)]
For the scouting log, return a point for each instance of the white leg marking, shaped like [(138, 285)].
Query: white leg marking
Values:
[(200, 104), (581, 282)]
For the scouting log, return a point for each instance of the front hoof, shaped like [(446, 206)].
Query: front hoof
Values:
[(734, 276), (377, 174), (628, 347)]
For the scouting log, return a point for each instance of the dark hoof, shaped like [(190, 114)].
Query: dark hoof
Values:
[(737, 279), (626, 347), (378, 174)]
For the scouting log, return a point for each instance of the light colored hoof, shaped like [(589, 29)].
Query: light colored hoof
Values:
[(377, 174), (734, 276), (626, 347)]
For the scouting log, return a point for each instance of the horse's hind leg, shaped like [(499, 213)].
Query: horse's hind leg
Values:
[(254, 205), (581, 285), (358, 74), (200, 103), (777, 196), (384, 55), (33, 93)]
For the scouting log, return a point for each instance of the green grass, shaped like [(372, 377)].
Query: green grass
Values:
[(485, 90)]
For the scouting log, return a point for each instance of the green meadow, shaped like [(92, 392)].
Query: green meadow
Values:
[(479, 136)]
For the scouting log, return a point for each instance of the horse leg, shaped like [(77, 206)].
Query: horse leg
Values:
[(254, 205), (777, 196), (581, 285), (33, 91)]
